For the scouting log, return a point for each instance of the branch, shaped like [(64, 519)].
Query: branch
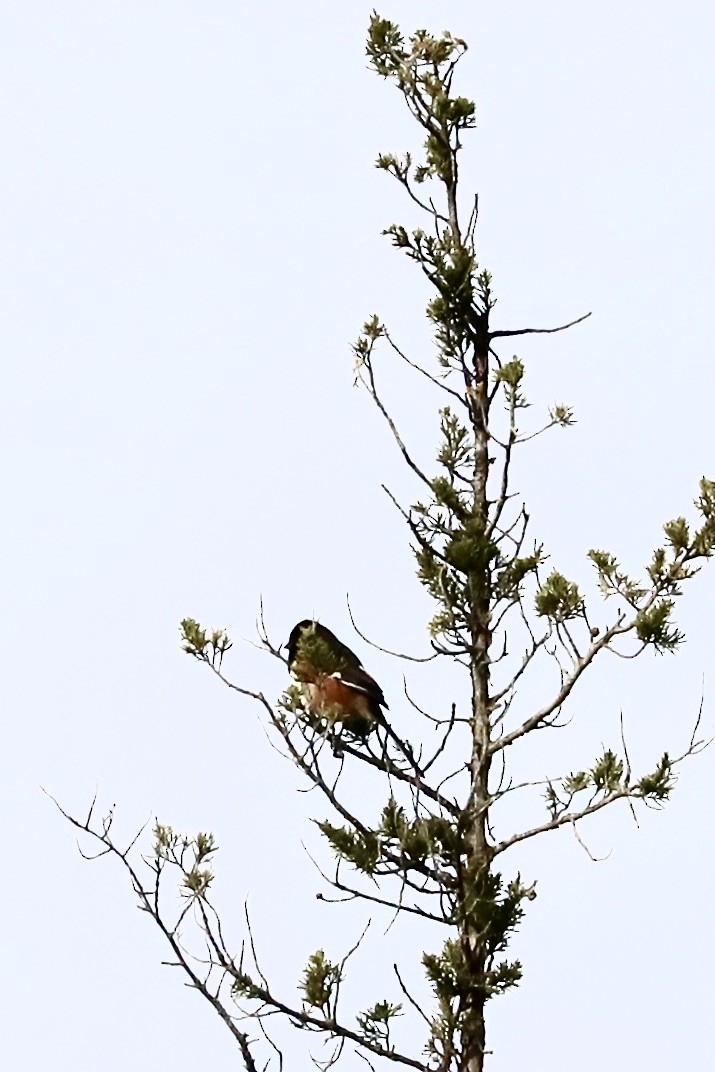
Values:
[(503, 491), (401, 173), (354, 895), (150, 905), (387, 651), (328, 1026), (584, 846), (314, 774), (562, 695), (563, 820), (536, 331), (424, 543), (628, 791), (418, 368), (366, 362), (527, 658), (403, 776)]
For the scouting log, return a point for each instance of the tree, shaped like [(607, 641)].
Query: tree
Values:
[(436, 852)]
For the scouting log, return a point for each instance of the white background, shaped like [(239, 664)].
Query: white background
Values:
[(190, 242)]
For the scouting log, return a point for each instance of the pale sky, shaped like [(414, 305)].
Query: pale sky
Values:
[(190, 243)]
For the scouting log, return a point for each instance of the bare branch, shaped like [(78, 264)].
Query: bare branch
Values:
[(584, 846), (372, 390), (353, 894), (537, 331), (148, 906), (409, 997), (562, 695), (411, 779), (418, 368), (387, 651), (626, 791), (331, 1027)]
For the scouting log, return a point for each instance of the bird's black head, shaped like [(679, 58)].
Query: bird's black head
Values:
[(330, 651), (295, 637)]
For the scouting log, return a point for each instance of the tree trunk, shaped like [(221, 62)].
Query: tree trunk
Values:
[(478, 849)]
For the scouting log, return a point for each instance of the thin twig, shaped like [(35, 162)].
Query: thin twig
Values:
[(537, 331)]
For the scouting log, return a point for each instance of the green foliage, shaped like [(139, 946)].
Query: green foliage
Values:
[(607, 773), (423, 70), (562, 415), (605, 777), (453, 551), (553, 801), (292, 701), (447, 971), (456, 452), (609, 777), (453, 270), (505, 975), (165, 840), (654, 626), (194, 637), (509, 581), (358, 848), (445, 494), (208, 646), (394, 165), (205, 845), (612, 580), (243, 986), (558, 599), (576, 783), (657, 787), (704, 540), (452, 311), (188, 854), (445, 587), (489, 913), (511, 375), (668, 568), (197, 881), (493, 910), (169, 845), (420, 839), (385, 46), (375, 1022), (677, 533), (453, 980), (412, 842), (319, 981), (468, 550), (372, 330)]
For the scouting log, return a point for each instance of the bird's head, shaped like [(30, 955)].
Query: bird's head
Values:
[(296, 635)]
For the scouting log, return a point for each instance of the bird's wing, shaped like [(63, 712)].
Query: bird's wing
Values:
[(359, 679), (341, 651)]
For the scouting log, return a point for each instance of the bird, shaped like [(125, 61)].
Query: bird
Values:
[(336, 686)]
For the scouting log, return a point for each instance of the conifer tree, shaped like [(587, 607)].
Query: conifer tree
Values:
[(437, 849)]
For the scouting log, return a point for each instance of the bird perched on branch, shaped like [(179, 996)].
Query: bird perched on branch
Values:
[(336, 687)]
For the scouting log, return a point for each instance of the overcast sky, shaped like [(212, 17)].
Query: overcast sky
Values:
[(190, 224)]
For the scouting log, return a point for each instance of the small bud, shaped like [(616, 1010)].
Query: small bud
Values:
[(562, 415)]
